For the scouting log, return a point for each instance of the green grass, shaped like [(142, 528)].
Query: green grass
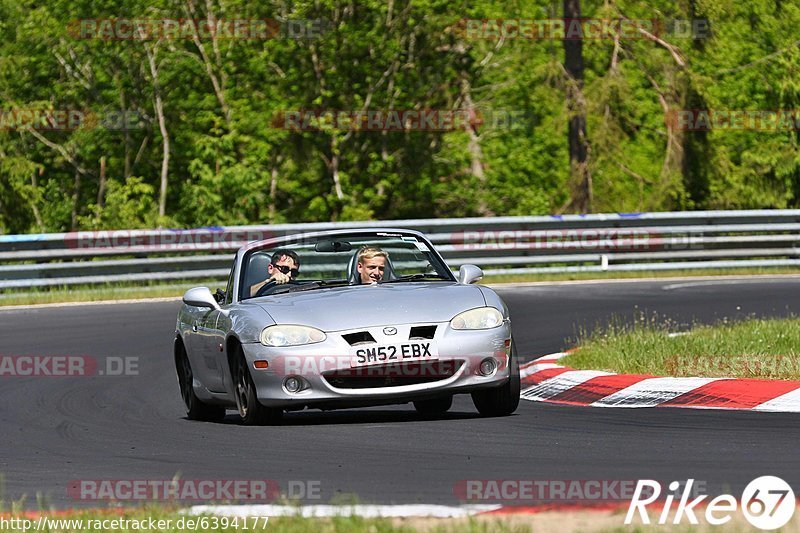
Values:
[(755, 348), (580, 276), (94, 293), (132, 291), (566, 521)]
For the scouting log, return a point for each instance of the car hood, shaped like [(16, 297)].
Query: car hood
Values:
[(341, 308)]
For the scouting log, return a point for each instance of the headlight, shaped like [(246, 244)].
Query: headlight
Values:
[(480, 318), (290, 335)]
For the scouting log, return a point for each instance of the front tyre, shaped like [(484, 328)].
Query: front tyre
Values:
[(503, 400), (252, 412), (195, 408)]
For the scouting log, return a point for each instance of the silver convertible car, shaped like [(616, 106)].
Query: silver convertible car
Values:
[(341, 319)]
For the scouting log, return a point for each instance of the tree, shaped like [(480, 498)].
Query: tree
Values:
[(581, 197)]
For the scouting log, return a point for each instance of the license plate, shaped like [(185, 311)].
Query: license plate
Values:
[(381, 354)]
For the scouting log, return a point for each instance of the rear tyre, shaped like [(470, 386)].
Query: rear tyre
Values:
[(503, 400), (195, 408), (252, 412), (433, 407)]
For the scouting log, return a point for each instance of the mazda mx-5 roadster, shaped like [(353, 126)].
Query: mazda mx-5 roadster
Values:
[(343, 319)]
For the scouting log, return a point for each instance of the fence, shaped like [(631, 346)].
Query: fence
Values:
[(499, 245)]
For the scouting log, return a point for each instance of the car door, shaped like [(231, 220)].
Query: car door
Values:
[(199, 347), (208, 332), (218, 338), (193, 340), (216, 330)]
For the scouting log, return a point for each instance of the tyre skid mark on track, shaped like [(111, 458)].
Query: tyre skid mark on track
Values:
[(544, 380)]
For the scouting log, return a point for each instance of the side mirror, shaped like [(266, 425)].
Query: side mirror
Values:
[(200, 297), (468, 274)]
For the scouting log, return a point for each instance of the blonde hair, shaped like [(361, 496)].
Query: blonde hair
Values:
[(371, 252)]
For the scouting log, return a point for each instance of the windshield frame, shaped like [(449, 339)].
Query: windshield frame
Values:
[(245, 253)]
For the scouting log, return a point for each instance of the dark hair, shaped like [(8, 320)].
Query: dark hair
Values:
[(280, 254)]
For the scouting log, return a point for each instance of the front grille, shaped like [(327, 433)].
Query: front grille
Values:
[(392, 375), (358, 338), (422, 332)]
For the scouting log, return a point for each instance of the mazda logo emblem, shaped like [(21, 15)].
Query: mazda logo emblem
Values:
[(390, 331)]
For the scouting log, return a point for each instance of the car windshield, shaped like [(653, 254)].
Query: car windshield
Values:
[(330, 261)]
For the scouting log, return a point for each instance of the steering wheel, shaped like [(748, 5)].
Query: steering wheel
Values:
[(270, 285)]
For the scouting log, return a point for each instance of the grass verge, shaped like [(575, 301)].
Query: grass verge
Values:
[(97, 293), (133, 291), (754, 348), (585, 521), (584, 276)]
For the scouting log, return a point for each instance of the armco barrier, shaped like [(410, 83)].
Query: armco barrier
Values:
[(499, 245)]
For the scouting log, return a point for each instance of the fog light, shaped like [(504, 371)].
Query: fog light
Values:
[(292, 384), (488, 367)]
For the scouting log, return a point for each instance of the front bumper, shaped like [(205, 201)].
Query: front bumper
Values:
[(320, 366)]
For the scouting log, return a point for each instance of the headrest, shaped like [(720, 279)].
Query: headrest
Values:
[(257, 269), (352, 270)]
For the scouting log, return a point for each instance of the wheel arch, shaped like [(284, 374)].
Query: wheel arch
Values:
[(178, 348), (233, 347)]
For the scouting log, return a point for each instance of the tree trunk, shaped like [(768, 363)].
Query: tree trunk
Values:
[(475, 150), (76, 198), (127, 160), (162, 196), (273, 193), (101, 189), (217, 82), (36, 214), (162, 126), (581, 178), (334, 166)]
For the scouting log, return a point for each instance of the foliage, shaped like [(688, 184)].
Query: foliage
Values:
[(230, 162)]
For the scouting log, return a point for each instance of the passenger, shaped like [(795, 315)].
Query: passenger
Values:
[(371, 264), (283, 268)]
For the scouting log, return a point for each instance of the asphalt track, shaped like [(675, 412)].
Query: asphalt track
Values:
[(55, 430)]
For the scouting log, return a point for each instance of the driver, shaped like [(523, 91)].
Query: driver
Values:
[(371, 264), (283, 268)]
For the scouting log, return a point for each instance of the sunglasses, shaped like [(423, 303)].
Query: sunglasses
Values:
[(286, 270)]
